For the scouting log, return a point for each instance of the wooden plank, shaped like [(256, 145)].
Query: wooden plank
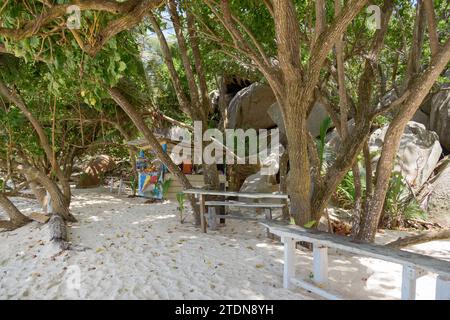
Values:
[(289, 261), (255, 195), (243, 204), (237, 217), (346, 244), (314, 289), (39, 217)]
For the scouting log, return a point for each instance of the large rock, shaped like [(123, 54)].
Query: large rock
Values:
[(333, 142), (422, 117), (418, 153), (315, 119), (259, 183), (439, 197), (269, 158), (248, 109), (440, 117), (265, 180), (95, 169)]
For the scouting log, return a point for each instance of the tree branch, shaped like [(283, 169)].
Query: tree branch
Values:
[(432, 27)]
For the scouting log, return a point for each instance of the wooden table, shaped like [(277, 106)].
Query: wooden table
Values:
[(202, 193)]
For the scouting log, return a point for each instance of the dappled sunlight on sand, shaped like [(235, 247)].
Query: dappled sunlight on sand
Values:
[(142, 251)]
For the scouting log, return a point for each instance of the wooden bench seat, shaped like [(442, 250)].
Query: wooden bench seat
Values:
[(414, 264), (245, 205)]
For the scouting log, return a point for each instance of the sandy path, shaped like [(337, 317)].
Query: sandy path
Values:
[(140, 251)]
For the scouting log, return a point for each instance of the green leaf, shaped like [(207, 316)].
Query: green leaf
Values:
[(122, 66), (309, 224)]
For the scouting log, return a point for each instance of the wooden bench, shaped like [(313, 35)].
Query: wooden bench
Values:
[(212, 216), (414, 265)]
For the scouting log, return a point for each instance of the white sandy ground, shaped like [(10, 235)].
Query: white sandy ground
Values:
[(141, 251)]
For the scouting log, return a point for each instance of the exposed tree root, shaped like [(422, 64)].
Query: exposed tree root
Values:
[(424, 237), (7, 225), (58, 231)]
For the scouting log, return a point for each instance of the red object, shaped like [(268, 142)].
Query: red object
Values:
[(187, 168)]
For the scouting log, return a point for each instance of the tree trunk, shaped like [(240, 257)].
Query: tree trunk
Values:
[(415, 53), (58, 231), (432, 27), (283, 180), (16, 218), (139, 122), (43, 139), (418, 89), (59, 202), (299, 187), (38, 191)]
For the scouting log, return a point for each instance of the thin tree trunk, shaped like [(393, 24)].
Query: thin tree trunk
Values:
[(38, 191), (283, 180), (415, 54), (432, 27), (343, 103), (356, 225), (198, 107), (320, 18), (418, 88)]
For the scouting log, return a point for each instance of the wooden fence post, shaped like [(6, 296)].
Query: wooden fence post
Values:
[(320, 264), (289, 261)]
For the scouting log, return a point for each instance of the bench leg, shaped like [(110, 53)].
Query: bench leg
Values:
[(111, 185), (268, 214), (409, 277), (120, 187), (202, 213), (289, 261), (442, 288), (212, 221), (320, 264)]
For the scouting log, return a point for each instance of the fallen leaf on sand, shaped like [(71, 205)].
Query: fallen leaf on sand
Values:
[(259, 266)]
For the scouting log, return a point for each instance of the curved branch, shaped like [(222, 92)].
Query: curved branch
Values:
[(329, 36), (57, 11)]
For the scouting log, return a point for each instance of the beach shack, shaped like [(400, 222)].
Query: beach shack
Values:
[(155, 181)]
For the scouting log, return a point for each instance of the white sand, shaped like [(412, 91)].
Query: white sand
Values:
[(141, 251)]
